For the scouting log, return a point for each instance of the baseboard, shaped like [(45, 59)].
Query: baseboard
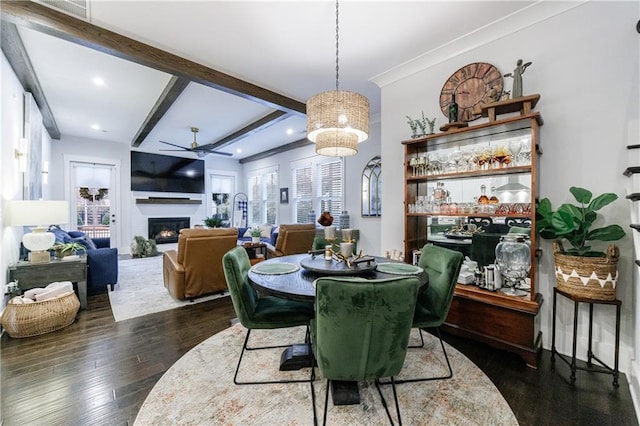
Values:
[(634, 386)]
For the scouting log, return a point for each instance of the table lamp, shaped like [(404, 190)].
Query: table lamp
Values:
[(40, 214)]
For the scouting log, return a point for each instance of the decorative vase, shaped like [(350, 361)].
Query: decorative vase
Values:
[(592, 278), (344, 220), (325, 219)]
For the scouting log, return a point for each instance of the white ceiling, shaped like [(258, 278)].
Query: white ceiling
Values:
[(287, 47)]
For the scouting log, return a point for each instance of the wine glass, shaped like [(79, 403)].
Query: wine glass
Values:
[(525, 153), (413, 162), (515, 147)]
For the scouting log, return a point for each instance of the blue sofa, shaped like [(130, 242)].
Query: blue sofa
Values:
[(102, 260)]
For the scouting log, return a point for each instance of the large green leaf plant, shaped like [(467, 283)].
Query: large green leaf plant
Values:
[(573, 222)]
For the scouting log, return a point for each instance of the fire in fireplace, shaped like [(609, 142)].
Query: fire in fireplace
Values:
[(166, 229)]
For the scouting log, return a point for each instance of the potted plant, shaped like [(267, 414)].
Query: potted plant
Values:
[(213, 222), (255, 235), (576, 266), (67, 249)]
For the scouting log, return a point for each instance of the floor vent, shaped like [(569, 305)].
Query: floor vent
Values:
[(77, 8)]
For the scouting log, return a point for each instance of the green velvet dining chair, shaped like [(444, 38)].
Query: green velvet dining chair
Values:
[(361, 330), (260, 312), (443, 267)]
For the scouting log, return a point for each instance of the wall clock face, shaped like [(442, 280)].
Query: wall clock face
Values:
[(474, 84)]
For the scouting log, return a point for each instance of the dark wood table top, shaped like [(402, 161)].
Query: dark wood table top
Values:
[(299, 285)]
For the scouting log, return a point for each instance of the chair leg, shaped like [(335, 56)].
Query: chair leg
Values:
[(326, 403), (421, 345), (426, 379), (244, 347), (384, 401)]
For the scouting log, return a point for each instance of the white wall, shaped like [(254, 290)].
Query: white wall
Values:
[(12, 118), (585, 66)]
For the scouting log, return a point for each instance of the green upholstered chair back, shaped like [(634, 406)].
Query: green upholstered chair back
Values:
[(236, 267), (443, 267), (483, 248), (361, 327)]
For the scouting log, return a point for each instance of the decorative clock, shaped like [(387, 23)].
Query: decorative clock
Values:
[(473, 85)]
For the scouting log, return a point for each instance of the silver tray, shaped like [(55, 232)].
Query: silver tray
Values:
[(319, 265)]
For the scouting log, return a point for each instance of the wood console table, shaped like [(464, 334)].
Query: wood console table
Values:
[(29, 275)]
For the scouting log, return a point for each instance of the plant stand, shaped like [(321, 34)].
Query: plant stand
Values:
[(590, 356)]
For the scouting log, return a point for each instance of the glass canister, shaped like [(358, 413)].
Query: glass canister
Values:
[(513, 257)]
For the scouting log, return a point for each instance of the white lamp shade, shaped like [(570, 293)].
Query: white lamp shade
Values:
[(36, 212)]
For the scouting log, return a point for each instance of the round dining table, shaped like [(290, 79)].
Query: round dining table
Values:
[(292, 277), (298, 285)]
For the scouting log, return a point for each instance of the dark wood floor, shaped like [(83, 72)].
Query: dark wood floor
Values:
[(98, 372)]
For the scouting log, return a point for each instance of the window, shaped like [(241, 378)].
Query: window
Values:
[(302, 193), (263, 197), (329, 196), (317, 188)]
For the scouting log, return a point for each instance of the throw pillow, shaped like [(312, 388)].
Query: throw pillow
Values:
[(265, 231), (84, 240)]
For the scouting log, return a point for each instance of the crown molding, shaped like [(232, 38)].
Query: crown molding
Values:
[(510, 24)]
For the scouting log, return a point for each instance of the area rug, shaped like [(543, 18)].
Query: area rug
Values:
[(199, 390), (140, 290)]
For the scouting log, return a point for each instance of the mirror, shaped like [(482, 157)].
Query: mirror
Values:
[(372, 188)]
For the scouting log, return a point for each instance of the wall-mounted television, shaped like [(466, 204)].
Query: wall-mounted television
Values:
[(164, 173)]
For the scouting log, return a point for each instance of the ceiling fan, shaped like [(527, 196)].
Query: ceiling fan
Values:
[(201, 150)]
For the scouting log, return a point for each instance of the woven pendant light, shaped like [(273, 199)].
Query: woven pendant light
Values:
[(337, 120)]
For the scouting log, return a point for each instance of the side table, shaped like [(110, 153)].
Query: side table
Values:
[(590, 356), (257, 252), (29, 275)]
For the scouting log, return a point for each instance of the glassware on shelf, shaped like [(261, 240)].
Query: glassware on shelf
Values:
[(413, 162), (513, 257), (493, 199), (501, 157), (483, 200), (515, 146)]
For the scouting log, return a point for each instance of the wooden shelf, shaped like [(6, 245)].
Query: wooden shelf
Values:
[(491, 215), (472, 174), (161, 200)]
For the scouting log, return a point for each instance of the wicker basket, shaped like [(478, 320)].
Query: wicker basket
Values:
[(591, 278), (32, 319)]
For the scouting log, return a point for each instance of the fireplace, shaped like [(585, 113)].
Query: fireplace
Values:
[(165, 229)]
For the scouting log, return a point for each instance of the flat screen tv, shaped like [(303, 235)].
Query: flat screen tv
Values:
[(164, 173)]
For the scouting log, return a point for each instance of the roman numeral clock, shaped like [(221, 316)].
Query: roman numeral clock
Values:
[(473, 85)]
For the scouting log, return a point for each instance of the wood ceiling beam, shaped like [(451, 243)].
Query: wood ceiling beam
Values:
[(61, 25), (261, 124), (18, 58), (171, 92), (293, 145)]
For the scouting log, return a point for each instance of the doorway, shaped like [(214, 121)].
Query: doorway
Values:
[(93, 199)]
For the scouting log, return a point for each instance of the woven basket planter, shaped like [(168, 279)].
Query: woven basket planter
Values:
[(592, 278), (32, 319)]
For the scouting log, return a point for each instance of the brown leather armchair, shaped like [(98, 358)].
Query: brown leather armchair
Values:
[(293, 239), (195, 269)]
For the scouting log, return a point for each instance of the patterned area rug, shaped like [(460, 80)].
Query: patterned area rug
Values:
[(199, 390), (140, 290)]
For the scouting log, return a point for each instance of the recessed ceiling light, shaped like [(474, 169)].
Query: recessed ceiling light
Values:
[(98, 81), (239, 150), (95, 126), (289, 131)]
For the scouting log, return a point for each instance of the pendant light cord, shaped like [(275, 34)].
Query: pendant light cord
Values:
[(337, 46)]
